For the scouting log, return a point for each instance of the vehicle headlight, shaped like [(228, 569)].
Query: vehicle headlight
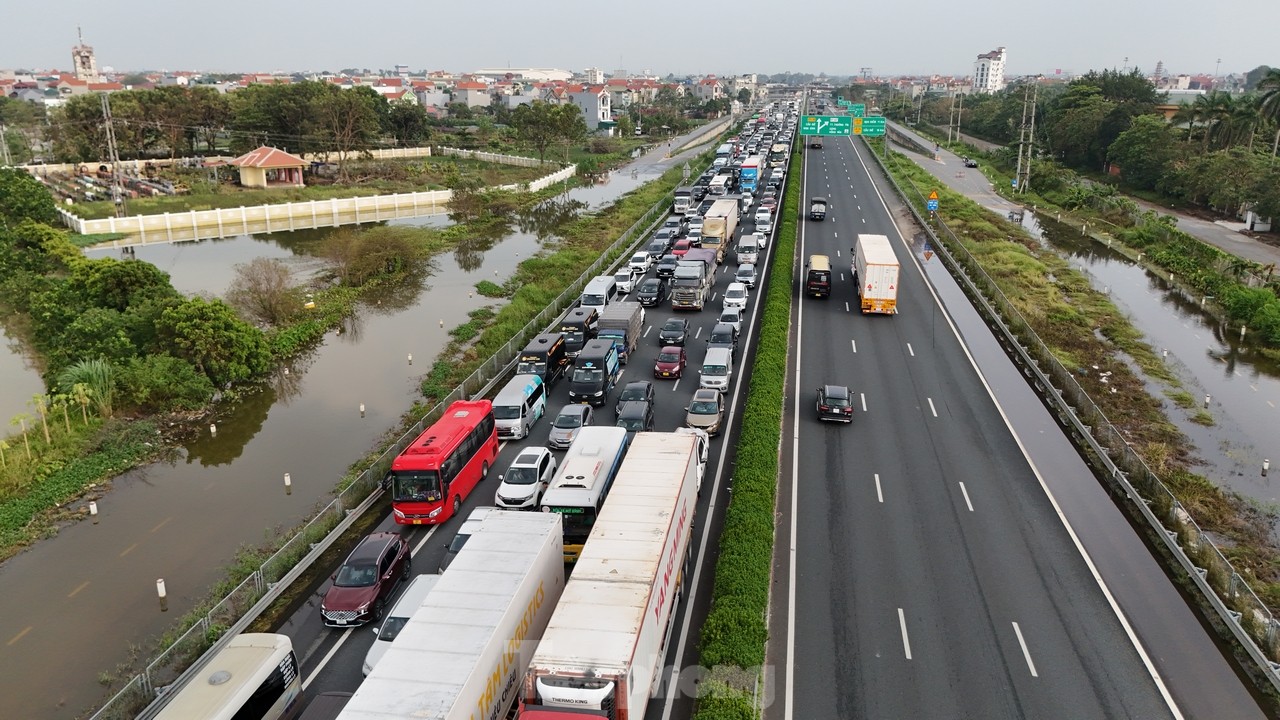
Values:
[(398, 513), (368, 668), (598, 393), (362, 609), (435, 512)]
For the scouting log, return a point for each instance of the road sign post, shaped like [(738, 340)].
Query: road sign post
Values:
[(826, 125), (932, 202), (868, 126)]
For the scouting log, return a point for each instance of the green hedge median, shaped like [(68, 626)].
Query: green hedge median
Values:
[(736, 630)]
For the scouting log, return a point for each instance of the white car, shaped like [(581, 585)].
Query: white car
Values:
[(695, 225), (625, 280), (747, 199), (764, 221), (640, 262), (395, 620), (731, 316), (762, 239), (735, 296), (521, 486)]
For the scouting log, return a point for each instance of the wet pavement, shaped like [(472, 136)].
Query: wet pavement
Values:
[(184, 520)]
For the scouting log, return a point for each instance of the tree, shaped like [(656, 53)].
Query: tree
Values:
[(348, 120), (626, 127), (1143, 151), (1269, 103), (91, 381), (262, 291), (117, 284), (22, 197), (1074, 134), (744, 96), (160, 383), (362, 255), (209, 335), (408, 123), (95, 332), (535, 124)]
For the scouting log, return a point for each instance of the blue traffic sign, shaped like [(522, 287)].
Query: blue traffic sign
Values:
[(1014, 182), (932, 205)]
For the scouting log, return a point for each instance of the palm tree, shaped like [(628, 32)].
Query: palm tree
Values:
[(1219, 109), (99, 376), (1269, 103), (1188, 115)]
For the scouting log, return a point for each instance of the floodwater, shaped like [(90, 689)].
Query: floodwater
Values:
[(183, 520), (21, 381), (1243, 385)]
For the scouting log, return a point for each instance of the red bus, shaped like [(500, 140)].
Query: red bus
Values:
[(431, 478)]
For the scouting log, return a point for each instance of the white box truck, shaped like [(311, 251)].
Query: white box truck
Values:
[(464, 652), (875, 273), (604, 647)]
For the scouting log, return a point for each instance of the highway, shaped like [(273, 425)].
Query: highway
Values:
[(927, 572), (331, 659)]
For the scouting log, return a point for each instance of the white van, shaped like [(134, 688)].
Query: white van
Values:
[(599, 292), (717, 369), (748, 250), (518, 405), (764, 220), (404, 609)]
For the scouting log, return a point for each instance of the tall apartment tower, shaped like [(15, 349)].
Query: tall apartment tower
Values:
[(594, 76), (85, 64), (988, 71)]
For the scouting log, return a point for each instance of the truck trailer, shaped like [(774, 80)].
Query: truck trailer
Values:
[(622, 322), (464, 652), (602, 653), (719, 226), (875, 274)]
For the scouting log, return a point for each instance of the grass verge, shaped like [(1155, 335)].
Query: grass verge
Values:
[(736, 630)]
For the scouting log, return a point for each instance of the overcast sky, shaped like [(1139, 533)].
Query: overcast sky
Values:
[(662, 36)]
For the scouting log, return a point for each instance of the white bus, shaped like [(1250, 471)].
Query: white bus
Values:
[(719, 185), (581, 484), (255, 677)]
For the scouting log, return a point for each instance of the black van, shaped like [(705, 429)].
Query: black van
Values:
[(579, 326), (818, 278), (545, 357)]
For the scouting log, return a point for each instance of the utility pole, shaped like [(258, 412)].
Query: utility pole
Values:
[(4, 146), (117, 196), (1026, 136), (1022, 140)]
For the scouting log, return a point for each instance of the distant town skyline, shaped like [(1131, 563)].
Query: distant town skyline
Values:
[(822, 36)]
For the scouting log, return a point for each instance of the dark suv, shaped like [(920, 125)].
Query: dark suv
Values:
[(366, 580), (638, 390), (636, 416), (835, 403), (667, 265)]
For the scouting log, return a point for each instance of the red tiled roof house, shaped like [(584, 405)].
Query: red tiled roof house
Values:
[(269, 167)]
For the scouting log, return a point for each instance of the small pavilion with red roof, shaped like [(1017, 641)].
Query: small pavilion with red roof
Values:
[(269, 167)]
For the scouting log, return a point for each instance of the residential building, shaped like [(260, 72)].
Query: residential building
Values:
[(708, 88), (84, 62), (593, 76), (988, 71), (472, 94), (595, 104)]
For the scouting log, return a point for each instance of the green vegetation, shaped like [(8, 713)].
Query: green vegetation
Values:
[(490, 289), (736, 631), (1083, 329), (366, 178)]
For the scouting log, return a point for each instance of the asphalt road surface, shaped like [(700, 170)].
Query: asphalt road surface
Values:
[(928, 574)]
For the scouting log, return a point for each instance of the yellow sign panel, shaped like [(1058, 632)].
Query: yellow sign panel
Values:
[(933, 195)]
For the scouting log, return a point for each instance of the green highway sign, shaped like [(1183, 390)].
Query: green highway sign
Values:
[(858, 110), (845, 103), (869, 126), (826, 125)]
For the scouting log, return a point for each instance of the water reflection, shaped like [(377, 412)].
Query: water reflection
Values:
[(548, 217), (470, 250), (249, 415)]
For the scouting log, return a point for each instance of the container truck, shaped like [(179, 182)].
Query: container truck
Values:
[(602, 652), (622, 322), (693, 279), (465, 650), (875, 273), (719, 226)]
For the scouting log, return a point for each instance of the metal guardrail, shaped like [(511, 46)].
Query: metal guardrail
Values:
[(1250, 621), (264, 586)]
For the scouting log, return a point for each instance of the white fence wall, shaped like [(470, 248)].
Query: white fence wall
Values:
[(493, 157)]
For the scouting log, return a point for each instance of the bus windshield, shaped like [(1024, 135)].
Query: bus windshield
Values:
[(531, 367), (416, 485), (506, 412), (577, 523), (588, 375)]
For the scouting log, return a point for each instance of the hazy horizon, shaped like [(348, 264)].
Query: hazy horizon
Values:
[(928, 38)]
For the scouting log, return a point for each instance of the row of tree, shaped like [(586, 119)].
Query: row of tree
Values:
[(1220, 150)]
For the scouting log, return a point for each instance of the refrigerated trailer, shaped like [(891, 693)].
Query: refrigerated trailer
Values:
[(602, 652), (463, 653), (875, 274)]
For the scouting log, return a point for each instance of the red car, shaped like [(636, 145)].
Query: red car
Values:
[(366, 580), (671, 362), (770, 203), (681, 247)]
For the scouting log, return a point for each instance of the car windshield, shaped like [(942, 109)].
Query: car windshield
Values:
[(703, 407), (673, 326), (667, 357), (735, 293), (416, 485), (592, 299), (632, 424), (506, 412), (356, 575), (729, 317), (568, 421), (631, 393), (623, 277), (714, 370), (640, 258), (746, 274), (588, 375), (649, 285), (521, 476), (391, 628)]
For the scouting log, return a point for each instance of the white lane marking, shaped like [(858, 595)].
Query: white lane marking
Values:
[(713, 296), (863, 396), (327, 657), (1057, 509), (913, 352), (852, 342), (864, 221), (837, 253), (859, 207), (932, 409), (841, 277), (846, 307), (879, 494), (836, 235), (966, 497), (675, 384), (646, 331), (1025, 652), (906, 642), (699, 332)]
